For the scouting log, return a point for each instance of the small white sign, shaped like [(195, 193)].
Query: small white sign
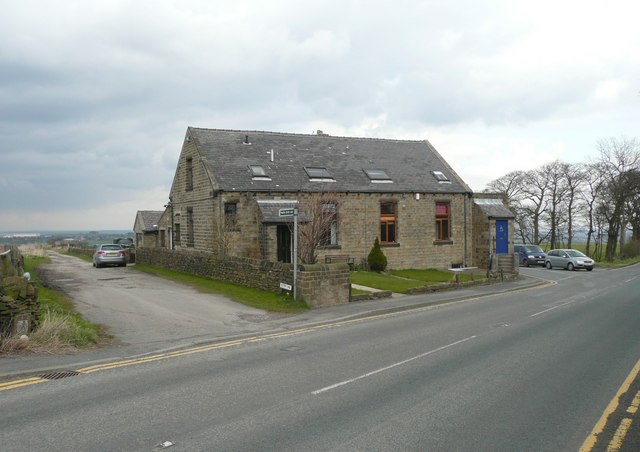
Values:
[(285, 212), (285, 286)]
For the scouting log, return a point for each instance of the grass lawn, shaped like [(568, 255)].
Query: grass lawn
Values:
[(384, 282), (256, 298), (400, 281), (432, 276)]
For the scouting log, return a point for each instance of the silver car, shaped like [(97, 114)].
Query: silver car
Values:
[(569, 259), (109, 254)]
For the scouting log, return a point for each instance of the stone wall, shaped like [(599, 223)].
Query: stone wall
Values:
[(239, 270), (318, 285), (321, 285), (19, 305)]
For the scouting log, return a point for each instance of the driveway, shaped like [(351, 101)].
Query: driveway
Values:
[(146, 311)]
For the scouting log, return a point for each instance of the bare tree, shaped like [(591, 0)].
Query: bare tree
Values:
[(318, 225), (512, 185), (556, 189), (618, 158), (594, 184), (535, 189), (574, 175), (632, 207)]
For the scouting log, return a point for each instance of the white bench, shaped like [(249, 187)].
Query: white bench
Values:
[(460, 270)]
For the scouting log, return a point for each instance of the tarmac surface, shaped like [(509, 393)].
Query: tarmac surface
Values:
[(13, 366)]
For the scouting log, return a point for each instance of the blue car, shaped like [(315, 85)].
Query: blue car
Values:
[(530, 255)]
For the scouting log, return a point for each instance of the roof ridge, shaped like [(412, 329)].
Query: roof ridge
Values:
[(311, 135)]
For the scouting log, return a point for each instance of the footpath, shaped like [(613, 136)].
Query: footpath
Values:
[(14, 366)]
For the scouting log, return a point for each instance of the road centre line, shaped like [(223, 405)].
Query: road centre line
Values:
[(552, 308), (377, 371), (590, 441), (254, 339)]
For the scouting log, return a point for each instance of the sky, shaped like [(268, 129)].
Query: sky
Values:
[(96, 96)]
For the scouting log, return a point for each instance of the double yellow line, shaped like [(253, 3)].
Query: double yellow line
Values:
[(200, 349), (621, 432)]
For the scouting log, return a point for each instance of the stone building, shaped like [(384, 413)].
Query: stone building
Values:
[(146, 228), (493, 229), (230, 187)]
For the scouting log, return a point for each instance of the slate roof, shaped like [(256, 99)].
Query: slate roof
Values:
[(270, 211), (493, 208), (150, 219), (409, 164)]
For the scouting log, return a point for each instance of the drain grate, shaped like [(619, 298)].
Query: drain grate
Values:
[(59, 375)]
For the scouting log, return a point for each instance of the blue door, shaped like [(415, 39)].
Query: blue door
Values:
[(502, 236)]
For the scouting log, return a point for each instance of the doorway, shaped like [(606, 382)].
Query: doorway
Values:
[(502, 237), (284, 243)]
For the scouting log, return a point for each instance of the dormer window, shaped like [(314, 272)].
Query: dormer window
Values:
[(377, 176), (319, 174), (258, 172), (440, 177)]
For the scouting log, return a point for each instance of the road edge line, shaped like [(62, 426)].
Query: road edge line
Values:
[(590, 441)]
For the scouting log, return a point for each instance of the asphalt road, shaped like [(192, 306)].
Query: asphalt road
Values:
[(529, 370), (143, 311)]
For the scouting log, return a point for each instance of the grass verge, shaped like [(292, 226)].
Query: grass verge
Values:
[(255, 298), (432, 275), (400, 281), (61, 329), (384, 282)]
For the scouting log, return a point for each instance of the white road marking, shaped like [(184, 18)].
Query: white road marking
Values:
[(551, 309), (369, 374)]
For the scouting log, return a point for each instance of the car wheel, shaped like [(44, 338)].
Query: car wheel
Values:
[(589, 269), (548, 265), (526, 264), (570, 267)]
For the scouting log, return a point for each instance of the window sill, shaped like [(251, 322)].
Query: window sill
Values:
[(330, 247), (443, 242), (389, 245)]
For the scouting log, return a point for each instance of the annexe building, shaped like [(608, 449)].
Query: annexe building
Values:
[(230, 186)]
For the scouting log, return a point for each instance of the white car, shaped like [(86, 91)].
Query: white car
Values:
[(569, 259)]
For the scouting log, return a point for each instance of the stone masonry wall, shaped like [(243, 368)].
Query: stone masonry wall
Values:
[(19, 305), (321, 285), (239, 270), (359, 225), (318, 285)]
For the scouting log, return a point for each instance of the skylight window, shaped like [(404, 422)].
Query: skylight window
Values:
[(440, 177), (377, 176), (258, 172), (318, 174)]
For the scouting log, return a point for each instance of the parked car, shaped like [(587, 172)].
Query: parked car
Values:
[(109, 254), (530, 255), (569, 259)]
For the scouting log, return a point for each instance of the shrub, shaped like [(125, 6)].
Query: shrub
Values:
[(377, 260), (631, 249)]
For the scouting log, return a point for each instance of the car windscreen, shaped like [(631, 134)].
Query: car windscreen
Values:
[(534, 249), (111, 247), (575, 253)]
